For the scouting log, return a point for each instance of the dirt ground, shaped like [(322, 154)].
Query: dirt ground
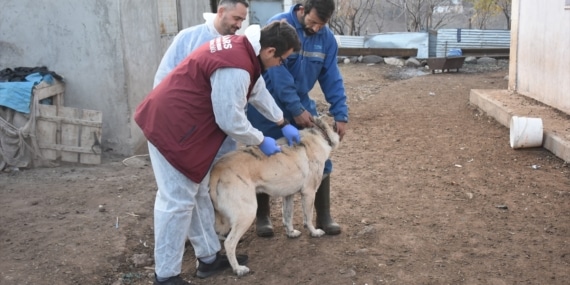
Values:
[(426, 188)]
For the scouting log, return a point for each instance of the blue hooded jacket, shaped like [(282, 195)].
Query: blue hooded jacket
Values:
[(290, 83)]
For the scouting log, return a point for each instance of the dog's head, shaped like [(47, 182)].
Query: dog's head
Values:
[(328, 133)]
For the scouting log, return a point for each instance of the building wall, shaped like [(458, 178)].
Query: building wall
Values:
[(287, 4), (541, 47), (260, 11), (190, 13), (107, 50)]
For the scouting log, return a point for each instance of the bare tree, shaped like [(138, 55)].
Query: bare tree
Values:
[(378, 21), (505, 6), (421, 15), (485, 9), (351, 16)]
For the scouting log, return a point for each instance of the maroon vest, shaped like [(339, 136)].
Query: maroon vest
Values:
[(177, 116)]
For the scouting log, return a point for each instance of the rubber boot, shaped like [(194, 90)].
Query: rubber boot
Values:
[(323, 206), (263, 226)]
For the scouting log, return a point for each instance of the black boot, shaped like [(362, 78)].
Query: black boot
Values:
[(263, 225), (323, 206)]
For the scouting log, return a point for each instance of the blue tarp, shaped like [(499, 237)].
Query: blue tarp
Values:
[(18, 95)]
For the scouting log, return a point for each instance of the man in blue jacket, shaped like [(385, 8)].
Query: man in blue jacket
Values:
[(290, 84)]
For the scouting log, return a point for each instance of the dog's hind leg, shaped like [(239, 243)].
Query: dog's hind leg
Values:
[(240, 224), (222, 226), (288, 217), (308, 201)]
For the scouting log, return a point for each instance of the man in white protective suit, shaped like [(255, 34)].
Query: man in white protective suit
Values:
[(227, 21), (186, 138)]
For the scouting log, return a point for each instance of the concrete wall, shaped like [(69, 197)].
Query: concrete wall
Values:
[(191, 12), (540, 52), (107, 50)]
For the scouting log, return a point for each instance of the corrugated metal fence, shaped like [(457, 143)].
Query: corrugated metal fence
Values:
[(445, 39), (350, 41), (440, 41)]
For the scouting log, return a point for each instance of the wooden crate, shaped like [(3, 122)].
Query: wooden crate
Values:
[(69, 134), (54, 91)]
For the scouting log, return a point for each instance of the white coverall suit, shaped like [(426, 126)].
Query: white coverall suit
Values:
[(183, 208)]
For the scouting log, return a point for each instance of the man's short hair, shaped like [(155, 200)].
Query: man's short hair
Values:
[(233, 3), (280, 35), (324, 8)]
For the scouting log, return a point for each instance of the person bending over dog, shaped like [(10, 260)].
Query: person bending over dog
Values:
[(186, 119), (290, 85)]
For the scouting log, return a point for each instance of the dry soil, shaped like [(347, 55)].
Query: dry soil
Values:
[(425, 186)]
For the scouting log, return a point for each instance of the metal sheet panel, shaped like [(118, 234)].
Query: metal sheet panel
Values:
[(417, 40), (432, 44), (447, 39), (350, 41)]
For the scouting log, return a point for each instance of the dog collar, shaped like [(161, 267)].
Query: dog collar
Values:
[(324, 134)]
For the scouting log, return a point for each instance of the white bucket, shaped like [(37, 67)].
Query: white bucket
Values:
[(526, 132)]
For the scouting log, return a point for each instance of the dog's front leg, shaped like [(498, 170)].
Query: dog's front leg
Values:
[(308, 201), (288, 217)]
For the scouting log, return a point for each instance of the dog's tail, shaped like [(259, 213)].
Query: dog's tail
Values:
[(222, 225)]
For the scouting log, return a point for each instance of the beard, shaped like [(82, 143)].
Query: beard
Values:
[(227, 27), (308, 31), (230, 30)]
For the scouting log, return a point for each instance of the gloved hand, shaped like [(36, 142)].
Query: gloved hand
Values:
[(269, 146), (291, 134)]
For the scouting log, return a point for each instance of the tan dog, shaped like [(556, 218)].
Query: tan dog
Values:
[(238, 176)]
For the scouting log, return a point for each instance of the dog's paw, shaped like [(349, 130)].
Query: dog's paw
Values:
[(294, 234), (241, 270), (318, 233)]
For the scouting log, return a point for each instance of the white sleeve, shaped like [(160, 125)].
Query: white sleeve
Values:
[(182, 45), (171, 58), (229, 100), (262, 100)]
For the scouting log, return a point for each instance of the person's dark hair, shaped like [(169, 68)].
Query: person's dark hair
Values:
[(324, 8), (281, 36)]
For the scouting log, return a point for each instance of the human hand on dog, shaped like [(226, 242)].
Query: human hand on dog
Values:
[(269, 146), (305, 120), (291, 134), (340, 128)]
